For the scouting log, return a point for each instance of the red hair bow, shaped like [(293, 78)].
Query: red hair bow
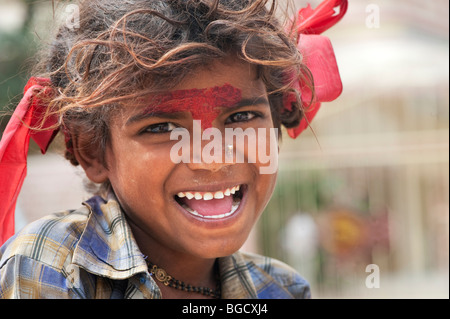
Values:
[(14, 147), (318, 56)]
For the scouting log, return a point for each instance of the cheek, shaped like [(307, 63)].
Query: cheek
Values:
[(260, 149), (264, 189), (266, 165), (139, 172)]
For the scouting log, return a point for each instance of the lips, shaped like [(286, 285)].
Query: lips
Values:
[(211, 204)]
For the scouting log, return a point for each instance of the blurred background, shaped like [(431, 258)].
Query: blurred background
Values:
[(361, 207)]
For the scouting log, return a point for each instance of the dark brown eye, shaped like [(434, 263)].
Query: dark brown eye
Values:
[(241, 117), (160, 128)]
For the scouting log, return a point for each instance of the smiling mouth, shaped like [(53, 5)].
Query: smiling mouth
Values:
[(212, 205)]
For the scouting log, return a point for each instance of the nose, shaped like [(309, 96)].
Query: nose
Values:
[(211, 155), (212, 167)]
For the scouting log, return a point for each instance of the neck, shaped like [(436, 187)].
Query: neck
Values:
[(186, 268), (182, 266)]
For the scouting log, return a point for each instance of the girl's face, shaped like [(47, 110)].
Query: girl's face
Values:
[(155, 191)]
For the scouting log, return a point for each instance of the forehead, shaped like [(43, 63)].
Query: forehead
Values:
[(208, 90), (203, 104), (239, 74)]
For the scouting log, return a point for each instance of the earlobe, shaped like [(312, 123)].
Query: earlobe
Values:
[(97, 175), (88, 157)]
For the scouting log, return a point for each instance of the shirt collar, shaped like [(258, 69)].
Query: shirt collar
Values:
[(235, 278), (242, 278), (107, 246)]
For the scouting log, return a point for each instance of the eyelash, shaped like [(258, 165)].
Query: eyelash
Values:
[(170, 126), (149, 128), (252, 113)]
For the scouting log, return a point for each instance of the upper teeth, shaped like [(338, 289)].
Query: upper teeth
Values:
[(209, 195)]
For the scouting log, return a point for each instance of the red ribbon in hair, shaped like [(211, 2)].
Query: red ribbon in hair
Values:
[(14, 147), (318, 55)]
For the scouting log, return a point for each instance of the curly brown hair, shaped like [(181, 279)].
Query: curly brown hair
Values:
[(126, 50)]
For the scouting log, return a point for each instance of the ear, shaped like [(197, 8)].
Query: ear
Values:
[(87, 155)]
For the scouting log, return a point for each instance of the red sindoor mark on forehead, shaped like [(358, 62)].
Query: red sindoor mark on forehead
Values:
[(203, 104)]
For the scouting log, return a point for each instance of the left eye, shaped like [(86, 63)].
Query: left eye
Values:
[(160, 128), (241, 117)]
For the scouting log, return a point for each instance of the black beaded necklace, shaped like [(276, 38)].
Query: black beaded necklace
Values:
[(162, 276)]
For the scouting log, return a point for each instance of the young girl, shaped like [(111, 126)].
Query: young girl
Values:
[(118, 87)]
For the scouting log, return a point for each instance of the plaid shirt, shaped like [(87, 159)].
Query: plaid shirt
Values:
[(91, 253)]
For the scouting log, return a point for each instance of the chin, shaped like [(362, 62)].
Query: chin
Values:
[(220, 248)]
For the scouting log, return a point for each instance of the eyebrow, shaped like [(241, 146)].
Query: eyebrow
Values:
[(146, 114), (179, 115), (251, 101)]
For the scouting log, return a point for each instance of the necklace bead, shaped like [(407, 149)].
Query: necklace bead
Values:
[(162, 276)]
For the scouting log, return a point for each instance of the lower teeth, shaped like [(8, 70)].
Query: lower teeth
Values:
[(234, 207)]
